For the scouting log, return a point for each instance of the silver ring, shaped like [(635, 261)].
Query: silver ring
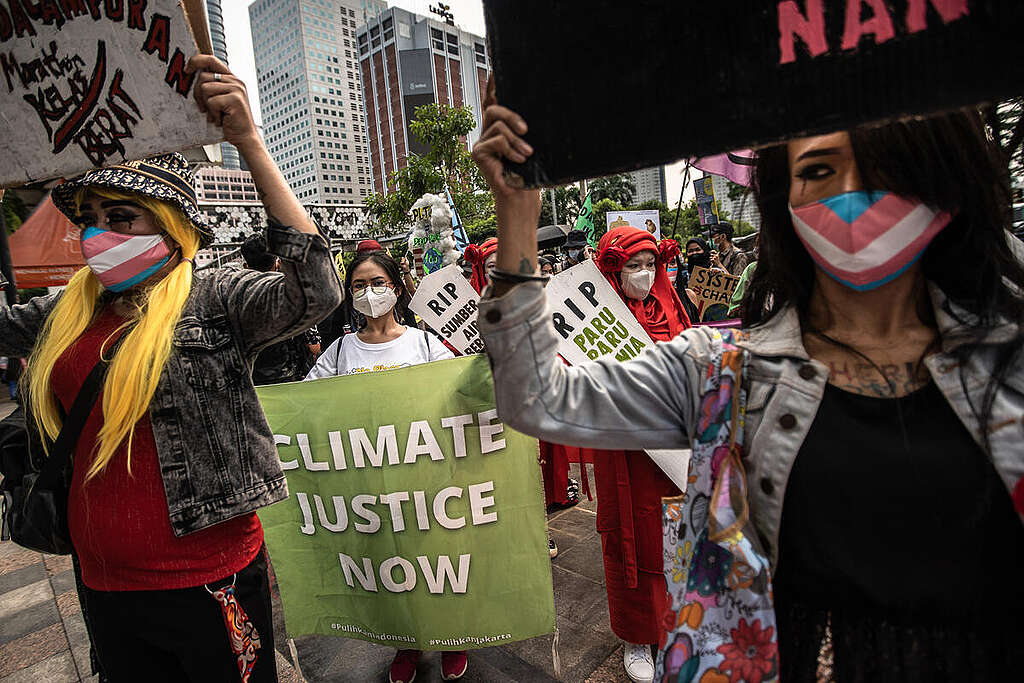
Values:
[(216, 76)]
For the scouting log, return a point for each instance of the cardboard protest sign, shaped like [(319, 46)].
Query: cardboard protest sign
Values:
[(645, 220), (416, 518), (707, 207), (447, 302), (90, 84), (590, 319), (712, 286), (753, 73), (592, 322)]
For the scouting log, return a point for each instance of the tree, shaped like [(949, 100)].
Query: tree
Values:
[(447, 164), (567, 201), (15, 211), (619, 188)]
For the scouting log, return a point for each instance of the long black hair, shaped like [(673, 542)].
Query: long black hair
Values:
[(394, 273), (947, 162)]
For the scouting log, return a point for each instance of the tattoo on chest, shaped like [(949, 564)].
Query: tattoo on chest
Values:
[(863, 378)]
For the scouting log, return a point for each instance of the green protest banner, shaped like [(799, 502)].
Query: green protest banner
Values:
[(585, 221), (416, 518)]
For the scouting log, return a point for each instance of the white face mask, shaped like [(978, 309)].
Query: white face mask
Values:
[(638, 285), (374, 305)]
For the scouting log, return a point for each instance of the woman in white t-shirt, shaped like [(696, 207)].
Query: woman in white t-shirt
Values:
[(383, 343)]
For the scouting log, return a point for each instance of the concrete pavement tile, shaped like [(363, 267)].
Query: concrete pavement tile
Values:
[(28, 621), (13, 556), (597, 617), (82, 662), (67, 603), (611, 671), (343, 660), (575, 595), (22, 577), (574, 521), (63, 582), (59, 668), (74, 629), (499, 664), (563, 540), (580, 648), (56, 564), (585, 559), (30, 651), (18, 599)]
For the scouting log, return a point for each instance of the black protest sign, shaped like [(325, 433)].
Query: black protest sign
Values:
[(90, 83), (702, 78)]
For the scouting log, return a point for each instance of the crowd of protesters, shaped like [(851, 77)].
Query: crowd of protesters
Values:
[(891, 549)]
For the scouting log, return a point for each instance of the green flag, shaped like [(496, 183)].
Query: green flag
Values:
[(585, 221), (416, 518)]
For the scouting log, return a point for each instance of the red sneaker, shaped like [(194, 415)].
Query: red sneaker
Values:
[(403, 666), (453, 665)]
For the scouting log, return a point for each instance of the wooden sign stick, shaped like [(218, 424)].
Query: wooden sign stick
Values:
[(195, 12)]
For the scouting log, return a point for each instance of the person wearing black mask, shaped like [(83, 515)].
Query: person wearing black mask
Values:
[(575, 247)]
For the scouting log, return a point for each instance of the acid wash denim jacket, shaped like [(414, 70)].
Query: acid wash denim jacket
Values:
[(653, 401), (216, 451)]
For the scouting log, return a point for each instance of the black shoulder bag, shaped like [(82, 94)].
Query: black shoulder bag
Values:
[(35, 496)]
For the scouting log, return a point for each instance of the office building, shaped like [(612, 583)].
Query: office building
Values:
[(228, 153), (743, 208), (407, 61), (216, 185), (650, 184), (310, 96)]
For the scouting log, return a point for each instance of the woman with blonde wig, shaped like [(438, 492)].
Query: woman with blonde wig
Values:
[(176, 456)]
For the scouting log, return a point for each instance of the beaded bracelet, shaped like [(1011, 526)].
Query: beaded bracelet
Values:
[(498, 275)]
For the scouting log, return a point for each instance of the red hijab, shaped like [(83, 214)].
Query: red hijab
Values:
[(661, 313), (477, 255)]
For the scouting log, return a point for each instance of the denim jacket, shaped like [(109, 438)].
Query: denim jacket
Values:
[(653, 401), (216, 451)]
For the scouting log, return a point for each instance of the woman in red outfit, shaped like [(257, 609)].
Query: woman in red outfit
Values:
[(175, 456), (629, 485)]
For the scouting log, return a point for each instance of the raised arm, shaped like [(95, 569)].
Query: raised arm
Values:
[(648, 402), (517, 210), (644, 403), (266, 308)]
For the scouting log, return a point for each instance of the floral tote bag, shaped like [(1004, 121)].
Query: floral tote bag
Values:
[(720, 627)]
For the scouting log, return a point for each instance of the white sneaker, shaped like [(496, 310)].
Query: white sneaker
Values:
[(638, 662)]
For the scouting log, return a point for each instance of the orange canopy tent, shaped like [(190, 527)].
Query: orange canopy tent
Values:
[(44, 250)]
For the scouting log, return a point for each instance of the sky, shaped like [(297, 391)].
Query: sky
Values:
[(469, 15)]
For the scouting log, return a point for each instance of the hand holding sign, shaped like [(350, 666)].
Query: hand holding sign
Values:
[(223, 98), (517, 210)]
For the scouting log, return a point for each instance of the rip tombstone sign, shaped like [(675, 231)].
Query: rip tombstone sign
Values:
[(91, 83), (446, 301), (590, 319), (754, 72)]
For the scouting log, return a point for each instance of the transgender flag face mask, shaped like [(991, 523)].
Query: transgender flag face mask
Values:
[(122, 261), (865, 239)]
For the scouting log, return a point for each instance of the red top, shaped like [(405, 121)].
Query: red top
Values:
[(119, 522), (662, 313)]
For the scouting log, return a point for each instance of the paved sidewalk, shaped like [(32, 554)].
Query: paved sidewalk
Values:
[(43, 638)]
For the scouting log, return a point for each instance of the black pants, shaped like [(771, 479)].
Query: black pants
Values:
[(179, 635)]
